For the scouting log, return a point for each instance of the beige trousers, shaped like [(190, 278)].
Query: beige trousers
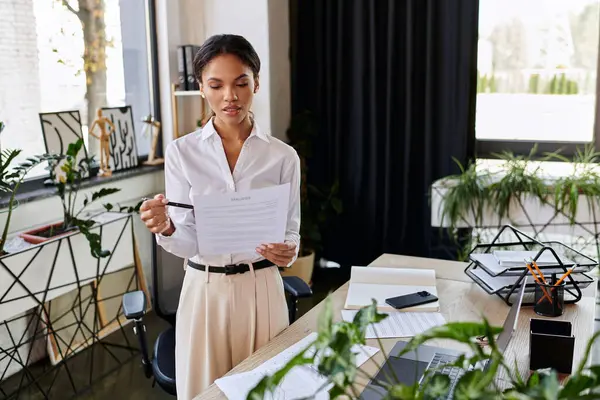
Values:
[(221, 320)]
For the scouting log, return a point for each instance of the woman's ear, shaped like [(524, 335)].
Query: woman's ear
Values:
[(256, 84), (201, 90)]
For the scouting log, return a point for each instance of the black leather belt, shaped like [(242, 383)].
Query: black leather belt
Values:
[(232, 269)]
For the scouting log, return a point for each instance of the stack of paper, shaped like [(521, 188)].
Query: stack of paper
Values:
[(514, 258), (300, 382), (399, 324), (493, 267), (381, 283)]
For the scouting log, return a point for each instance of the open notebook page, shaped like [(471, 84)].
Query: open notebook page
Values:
[(367, 283)]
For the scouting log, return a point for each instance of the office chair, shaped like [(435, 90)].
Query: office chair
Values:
[(167, 277)]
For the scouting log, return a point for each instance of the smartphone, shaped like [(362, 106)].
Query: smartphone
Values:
[(411, 300)]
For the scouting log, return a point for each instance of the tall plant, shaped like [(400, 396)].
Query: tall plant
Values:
[(318, 204), (331, 354), (11, 179), (67, 188)]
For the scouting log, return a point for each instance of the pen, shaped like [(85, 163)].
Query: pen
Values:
[(174, 204)]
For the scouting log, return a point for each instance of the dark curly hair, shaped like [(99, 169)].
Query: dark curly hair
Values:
[(226, 44)]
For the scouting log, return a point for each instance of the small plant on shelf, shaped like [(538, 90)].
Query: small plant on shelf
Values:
[(67, 186)]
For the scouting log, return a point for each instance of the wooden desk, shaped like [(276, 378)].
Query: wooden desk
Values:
[(460, 300)]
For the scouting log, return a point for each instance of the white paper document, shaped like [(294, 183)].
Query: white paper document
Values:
[(399, 324), (239, 222), (379, 283), (301, 381), (495, 283)]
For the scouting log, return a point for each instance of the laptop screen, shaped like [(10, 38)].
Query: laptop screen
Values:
[(406, 370), (510, 324)]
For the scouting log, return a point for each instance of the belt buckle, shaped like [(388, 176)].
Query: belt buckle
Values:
[(230, 270)]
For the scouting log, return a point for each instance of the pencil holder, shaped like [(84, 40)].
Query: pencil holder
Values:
[(549, 299), (551, 345)]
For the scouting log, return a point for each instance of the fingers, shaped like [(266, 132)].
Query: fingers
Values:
[(154, 214), (278, 253), (278, 260), (158, 201)]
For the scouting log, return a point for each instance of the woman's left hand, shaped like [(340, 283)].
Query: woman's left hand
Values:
[(280, 254)]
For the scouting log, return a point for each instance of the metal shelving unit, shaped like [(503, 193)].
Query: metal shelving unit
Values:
[(510, 238)]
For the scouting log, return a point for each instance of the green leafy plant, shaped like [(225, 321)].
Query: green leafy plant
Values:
[(476, 190), (331, 354), (519, 179), (318, 204), (583, 180), (11, 179), (67, 188)]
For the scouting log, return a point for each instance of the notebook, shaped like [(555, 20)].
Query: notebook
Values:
[(379, 283)]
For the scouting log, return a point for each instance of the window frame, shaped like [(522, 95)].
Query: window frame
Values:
[(490, 148), (31, 186)]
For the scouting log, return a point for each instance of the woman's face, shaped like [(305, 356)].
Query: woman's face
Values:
[(229, 86)]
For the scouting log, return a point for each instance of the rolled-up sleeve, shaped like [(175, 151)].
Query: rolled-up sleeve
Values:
[(183, 242), (291, 175)]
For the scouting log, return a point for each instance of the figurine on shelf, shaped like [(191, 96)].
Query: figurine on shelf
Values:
[(104, 139), (151, 123)]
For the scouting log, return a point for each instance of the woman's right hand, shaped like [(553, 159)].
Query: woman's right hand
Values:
[(154, 214)]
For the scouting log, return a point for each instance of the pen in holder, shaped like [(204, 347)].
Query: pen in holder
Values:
[(549, 299)]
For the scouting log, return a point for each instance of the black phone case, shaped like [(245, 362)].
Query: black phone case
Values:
[(411, 300)]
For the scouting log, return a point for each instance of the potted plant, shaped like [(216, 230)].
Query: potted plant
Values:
[(477, 198), (67, 188), (317, 205), (11, 179), (331, 354)]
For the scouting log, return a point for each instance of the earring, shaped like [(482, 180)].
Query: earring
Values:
[(202, 94)]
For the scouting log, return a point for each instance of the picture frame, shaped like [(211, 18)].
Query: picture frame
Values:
[(123, 145), (59, 129)]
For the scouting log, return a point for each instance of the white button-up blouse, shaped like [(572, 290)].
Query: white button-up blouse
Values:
[(196, 164)]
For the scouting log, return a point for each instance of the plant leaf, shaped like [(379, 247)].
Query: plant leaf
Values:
[(459, 331), (270, 383), (469, 386), (104, 192), (437, 387), (575, 385)]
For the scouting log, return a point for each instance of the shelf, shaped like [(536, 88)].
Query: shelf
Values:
[(186, 93)]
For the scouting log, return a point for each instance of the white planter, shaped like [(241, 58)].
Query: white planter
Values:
[(533, 212)]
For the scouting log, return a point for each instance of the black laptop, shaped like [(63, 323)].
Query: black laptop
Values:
[(410, 367)]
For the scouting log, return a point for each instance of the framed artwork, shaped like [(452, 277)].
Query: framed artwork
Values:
[(59, 130), (123, 147)]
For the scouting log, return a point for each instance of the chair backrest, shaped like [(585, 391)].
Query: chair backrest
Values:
[(167, 277)]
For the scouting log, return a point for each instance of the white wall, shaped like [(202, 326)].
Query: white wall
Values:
[(279, 58), (264, 23)]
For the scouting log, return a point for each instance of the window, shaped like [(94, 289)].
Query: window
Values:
[(537, 75), (43, 67)]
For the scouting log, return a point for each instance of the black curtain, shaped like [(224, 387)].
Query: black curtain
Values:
[(391, 84)]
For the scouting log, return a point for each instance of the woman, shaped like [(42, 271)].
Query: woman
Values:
[(222, 319)]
